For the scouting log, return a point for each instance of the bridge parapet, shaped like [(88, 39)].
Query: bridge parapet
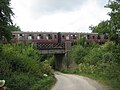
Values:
[(50, 46)]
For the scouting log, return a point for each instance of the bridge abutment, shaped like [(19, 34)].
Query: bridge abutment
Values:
[(59, 61)]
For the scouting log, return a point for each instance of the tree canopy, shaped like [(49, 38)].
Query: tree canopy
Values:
[(112, 26), (5, 19)]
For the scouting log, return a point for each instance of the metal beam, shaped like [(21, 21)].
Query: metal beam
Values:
[(59, 51)]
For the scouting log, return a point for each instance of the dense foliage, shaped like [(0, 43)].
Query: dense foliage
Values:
[(5, 19), (23, 69), (6, 24), (99, 62), (111, 26)]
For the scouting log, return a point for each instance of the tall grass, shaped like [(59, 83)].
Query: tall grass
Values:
[(99, 62), (22, 68)]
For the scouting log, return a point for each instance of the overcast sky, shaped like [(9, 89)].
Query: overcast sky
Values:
[(58, 15)]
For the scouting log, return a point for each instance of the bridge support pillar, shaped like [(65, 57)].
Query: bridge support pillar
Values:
[(59, 61)]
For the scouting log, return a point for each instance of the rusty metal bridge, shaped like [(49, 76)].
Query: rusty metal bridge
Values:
[(54, 48)]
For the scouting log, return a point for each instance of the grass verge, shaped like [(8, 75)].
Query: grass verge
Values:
[(110, 84)]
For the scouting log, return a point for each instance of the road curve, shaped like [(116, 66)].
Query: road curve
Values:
[(75, 82)]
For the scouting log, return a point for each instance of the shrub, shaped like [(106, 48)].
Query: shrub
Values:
[(43, 84), (21, 66), (101, 62)]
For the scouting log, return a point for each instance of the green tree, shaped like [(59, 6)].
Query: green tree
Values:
[(5, 19), (112, 26), (101, 28), (14, 28), (81, 40), (114, 19)]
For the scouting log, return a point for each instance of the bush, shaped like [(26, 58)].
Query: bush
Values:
[(21, 81), (77, 53), (21, 66), (43, 84), (101, 62)]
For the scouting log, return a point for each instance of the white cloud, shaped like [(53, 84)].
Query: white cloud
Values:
[(53, 5), (77, 20)]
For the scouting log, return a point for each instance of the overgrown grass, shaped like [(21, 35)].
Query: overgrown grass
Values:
[(44, 84), (101, 63), (110, 84), (22, 68)]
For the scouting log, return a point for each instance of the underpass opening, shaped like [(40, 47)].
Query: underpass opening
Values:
[(59, 61)]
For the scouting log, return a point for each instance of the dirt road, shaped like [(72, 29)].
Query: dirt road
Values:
[(75, 82)]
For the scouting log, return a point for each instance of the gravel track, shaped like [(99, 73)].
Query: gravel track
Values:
[(75, 82)]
